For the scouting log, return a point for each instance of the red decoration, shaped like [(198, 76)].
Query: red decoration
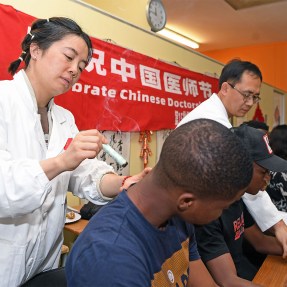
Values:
[(258, 116), (145, 138)]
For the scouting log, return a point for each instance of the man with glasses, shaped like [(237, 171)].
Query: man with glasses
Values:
[(239, 84), (220, 242), (247, 96)]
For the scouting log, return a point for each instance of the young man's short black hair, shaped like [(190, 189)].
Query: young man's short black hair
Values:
[(205, 158)]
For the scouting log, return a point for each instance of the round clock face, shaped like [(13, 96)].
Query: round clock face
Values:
[(156, 15)]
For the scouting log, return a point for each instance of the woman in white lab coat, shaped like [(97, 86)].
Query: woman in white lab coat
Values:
[(37, 167)]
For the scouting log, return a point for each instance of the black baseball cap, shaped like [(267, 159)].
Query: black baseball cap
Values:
[(257, 143), (258, 125)]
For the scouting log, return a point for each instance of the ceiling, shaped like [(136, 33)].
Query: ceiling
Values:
[(217, 24)]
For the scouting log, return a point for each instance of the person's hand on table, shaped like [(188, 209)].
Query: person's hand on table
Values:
[(280, 231)]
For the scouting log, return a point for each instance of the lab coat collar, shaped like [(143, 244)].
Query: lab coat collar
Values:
[(56, 143)]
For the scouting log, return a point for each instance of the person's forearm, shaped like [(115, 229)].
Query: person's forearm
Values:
[(280, 231), (52, 167), (223, 271), (277, 227), (199, 275), (270, 246)]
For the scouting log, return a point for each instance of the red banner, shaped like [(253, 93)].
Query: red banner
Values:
[(120, 90)]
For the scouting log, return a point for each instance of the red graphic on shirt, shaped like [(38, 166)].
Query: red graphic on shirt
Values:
[(238, 226), (266, 140)]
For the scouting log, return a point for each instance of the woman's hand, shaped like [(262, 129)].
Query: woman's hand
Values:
[(86, 144), (135, 178)]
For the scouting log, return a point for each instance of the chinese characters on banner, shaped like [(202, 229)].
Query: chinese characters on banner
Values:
[(120, 90)]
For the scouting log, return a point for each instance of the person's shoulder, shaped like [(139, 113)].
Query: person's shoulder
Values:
[(111, 229), (10, 94), (103, 263), (7, 84), (205, 110), (110, 217), (101, 234)]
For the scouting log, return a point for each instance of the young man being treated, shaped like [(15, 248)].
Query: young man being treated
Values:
[(239, 85), (220, 242), (145, 237)]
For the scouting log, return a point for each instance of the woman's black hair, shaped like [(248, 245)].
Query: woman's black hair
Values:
[(45, 32)]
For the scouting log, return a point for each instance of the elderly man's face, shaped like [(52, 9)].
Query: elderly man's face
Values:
[(238, 99)]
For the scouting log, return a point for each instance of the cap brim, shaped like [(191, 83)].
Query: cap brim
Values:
[(273, 163)]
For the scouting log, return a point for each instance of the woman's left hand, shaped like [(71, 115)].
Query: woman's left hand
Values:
[(135, 178)]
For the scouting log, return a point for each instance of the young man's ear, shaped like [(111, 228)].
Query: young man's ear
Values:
[(185, 201)]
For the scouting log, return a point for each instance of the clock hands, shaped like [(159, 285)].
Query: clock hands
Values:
[(154, 11)]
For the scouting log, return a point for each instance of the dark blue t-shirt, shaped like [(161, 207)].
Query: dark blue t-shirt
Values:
[(119, 247)]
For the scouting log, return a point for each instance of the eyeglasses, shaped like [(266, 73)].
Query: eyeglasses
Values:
[(263, 170), (246, 96)]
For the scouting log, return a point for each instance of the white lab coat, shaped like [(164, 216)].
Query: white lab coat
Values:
[(259, 205), (32, 208)]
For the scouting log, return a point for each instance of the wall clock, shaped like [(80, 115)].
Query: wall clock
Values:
[(156, 15)]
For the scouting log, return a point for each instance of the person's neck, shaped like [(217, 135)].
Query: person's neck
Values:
[(41, 95), (42, 109), (152, 202), (43, 112), (220, 96)]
